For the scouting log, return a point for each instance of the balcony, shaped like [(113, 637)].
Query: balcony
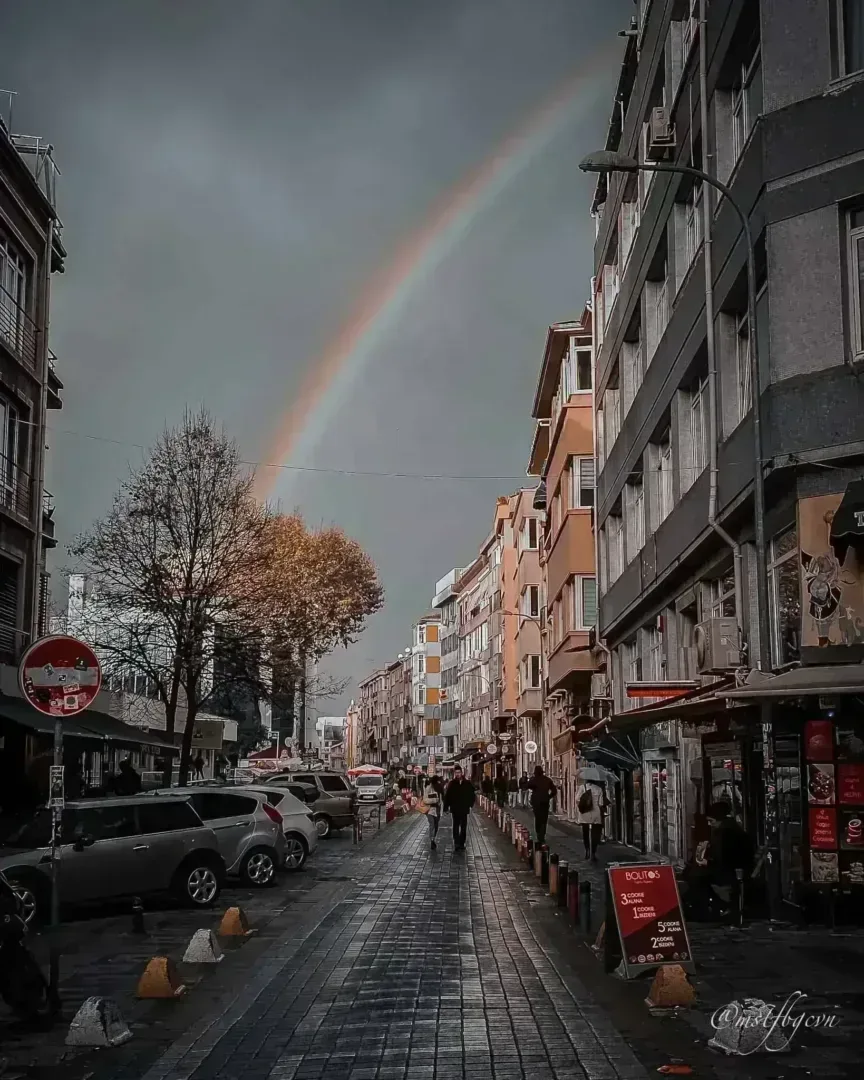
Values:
[(54, 401), (48, 538), (16, 490), (17, 330), (530, 702)]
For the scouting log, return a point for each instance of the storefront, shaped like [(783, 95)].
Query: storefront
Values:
[(618, 755)]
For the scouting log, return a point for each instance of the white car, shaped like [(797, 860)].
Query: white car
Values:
[(301, 835), (371, 788)]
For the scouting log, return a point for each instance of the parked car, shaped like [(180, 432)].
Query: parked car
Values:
[(299, 823), (116, 847), (334, 808), (247, 827), (371, 788)]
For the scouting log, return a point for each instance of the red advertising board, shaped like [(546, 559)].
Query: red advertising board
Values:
[(823, 828), (59, 675), (650, 922), (850, 785), (819, 740)]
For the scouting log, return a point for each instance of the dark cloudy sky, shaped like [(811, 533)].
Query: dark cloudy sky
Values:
[(233, 176)]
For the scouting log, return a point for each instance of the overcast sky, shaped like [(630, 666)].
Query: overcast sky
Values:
[(234, 174)]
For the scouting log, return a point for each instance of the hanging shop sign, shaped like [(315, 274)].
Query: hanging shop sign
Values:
[(492, 748), (644, 903), (530, 747)]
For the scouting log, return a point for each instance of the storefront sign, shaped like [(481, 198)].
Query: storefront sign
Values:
[(647, 909), (850, 785), (823, 828), (819, 740)]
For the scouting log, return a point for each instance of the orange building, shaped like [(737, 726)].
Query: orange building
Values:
[(562, 456)]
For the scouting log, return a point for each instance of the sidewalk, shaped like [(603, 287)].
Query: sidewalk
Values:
[(764, 960)]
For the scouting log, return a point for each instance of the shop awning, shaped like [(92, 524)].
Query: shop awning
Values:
[(848, 524), (28, 717), (115, 731), (828, 680), (689, 706)]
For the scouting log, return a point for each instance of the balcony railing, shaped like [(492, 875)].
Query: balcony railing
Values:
[(17, 329), (16, 489)]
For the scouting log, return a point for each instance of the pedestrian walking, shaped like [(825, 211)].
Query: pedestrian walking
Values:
[(128, 780), (198, 765), (524, 789), (458, 800), (487, 786), (501, 789), (589, 808), (543, 797), (513, 791), (433, 798)]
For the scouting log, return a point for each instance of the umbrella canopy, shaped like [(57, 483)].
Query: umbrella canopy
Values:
[(595, 774), (367, 770)]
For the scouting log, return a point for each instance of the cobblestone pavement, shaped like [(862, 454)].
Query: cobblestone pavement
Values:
[(427, 968)]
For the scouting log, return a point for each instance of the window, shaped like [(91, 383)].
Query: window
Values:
[(13, 294), (665, 499), (636, 517), (855, 271), (161, 817), (421, 665), (531, 672), (615, 532), (335, 784), (746, 103), (582, 482), (106, 822), (742, 365), (656, 311), (421, 634), (632, 368), (693, 219), (10, 433), (531, 601), (529, 534), (851, 36), (212, 805), (628, 224), (610, 288), (656, 655), (421, 695), (631, 669), (584, 594), (699, 430), (584, 380), (721, 596), (689, 29), (784, 584), (612, 417)]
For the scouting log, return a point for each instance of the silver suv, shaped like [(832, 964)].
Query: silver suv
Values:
[(249, 831), (116, 847), (334, 809)]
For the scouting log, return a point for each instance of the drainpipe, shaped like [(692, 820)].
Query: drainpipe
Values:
[(713, 396), (39, 447)]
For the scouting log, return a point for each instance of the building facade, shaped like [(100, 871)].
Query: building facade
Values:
[(528, 594), (426, 688), (446, 603), (562, 457), (683, 566)]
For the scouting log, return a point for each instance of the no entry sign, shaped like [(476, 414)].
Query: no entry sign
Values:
[(59, 675), (647, 910)]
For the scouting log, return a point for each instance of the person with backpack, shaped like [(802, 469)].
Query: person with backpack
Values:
[(433, 797), (544, 795), (589, 806)]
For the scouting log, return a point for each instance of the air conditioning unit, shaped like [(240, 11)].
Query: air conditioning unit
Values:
[(600, 687), (661, 134), (717, 646)]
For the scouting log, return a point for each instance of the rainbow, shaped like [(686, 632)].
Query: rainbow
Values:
[(327, 385)]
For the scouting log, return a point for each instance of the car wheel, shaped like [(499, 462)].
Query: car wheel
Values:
[(258, 868), (323, 826), (198, 884), (28, 897), (295, 852)]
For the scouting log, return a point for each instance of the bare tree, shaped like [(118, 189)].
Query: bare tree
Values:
[(176, 566)]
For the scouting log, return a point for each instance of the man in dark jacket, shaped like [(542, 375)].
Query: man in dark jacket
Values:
[(543, 795), (458, 800), (524, 789), (501, 789), (128, 781)]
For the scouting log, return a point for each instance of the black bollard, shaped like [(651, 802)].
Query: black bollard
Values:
[(585, 907), (544, 865), (561, 894), (529, 854), (138, 916)]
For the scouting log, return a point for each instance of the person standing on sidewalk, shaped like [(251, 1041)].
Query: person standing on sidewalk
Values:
[(589, 806), (501, 789), (513, 791), (433, 797), (543, 797), (524, 789), (458, 800)]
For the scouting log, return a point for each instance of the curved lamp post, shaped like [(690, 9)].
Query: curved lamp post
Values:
[(611, 161)]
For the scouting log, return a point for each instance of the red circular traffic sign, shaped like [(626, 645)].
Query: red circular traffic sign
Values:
[(60, 675)]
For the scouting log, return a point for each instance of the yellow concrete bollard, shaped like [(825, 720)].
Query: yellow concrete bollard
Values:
[(159, 980), (235, 924), (671, 989)]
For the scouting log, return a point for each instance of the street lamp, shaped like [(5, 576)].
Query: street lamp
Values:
[(612, 161)]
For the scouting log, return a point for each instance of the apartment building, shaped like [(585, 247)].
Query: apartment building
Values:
[(684, 557), (446, 603), (527, 527), (426, 687), (30, 252), (352, 733), (374, 735), (562, 457)]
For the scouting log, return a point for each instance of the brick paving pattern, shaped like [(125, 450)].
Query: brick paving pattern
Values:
[(427, 970)]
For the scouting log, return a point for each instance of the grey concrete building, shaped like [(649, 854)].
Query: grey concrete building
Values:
[(30, 252), (785, 90)]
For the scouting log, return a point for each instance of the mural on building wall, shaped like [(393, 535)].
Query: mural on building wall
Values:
[(832, 591)]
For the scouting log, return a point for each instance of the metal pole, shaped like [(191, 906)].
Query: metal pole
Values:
[(56, 826)]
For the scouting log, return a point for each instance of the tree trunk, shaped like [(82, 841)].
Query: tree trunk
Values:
[(188, 732), (302, 717), (168, 758)]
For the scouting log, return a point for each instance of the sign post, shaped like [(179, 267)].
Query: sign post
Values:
[(643, 903), (60, 677)]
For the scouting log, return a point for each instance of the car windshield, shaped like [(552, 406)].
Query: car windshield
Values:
[(369, 781)]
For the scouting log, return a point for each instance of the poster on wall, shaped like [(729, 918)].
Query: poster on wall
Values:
[(850, 741), (823, 828), (851, 830), (850, 785), (852, 868), (832, 582), (824, 867), (820, 785), (819, 740)]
